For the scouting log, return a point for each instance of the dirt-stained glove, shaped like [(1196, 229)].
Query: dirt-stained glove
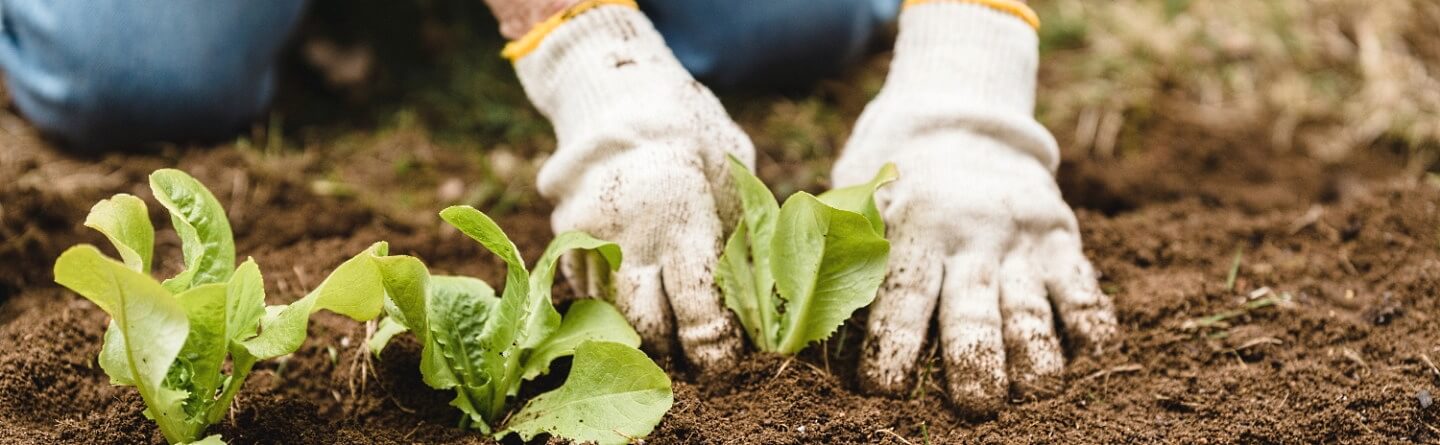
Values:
[(976, 221), (642, 162)]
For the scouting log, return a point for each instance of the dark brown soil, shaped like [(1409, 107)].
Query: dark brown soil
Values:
[(1349, 357)]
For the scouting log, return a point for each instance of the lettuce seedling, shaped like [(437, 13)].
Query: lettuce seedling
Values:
[(484, 347), (171, 339), (794, 274)]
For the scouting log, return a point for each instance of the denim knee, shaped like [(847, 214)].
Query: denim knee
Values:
[(766, 42), (114, 73)]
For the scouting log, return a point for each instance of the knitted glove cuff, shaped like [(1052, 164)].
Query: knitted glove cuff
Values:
[(594, 62), (1016, 8)]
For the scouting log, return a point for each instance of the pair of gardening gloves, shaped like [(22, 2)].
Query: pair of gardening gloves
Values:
[(978, 228)]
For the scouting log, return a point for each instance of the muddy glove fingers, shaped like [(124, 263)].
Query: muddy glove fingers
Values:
[(1037, 270), (990, 217), (1032, 352), (956, 116), (640, 296), (640, 161), (900, 316), (706, 329), (659, 208), (1087, 314), (666, 288), (677, 297), (970, 333)]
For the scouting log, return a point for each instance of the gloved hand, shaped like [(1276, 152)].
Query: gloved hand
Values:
[(976, 221), (642, 162)]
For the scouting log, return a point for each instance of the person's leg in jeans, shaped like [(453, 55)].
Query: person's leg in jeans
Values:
[(767, 42), (101, 74)]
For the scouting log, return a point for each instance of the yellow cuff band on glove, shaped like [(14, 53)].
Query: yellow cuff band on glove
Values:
[(526, 44), (1013, 7)]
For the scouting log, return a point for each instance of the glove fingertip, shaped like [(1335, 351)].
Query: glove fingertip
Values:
[(976, 383), (888, 360), (1091, 329), (713, 355), (640, 297)]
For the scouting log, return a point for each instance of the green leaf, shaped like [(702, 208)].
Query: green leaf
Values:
[(434, 365), (459, 310), (244, 305), (613, 395), (543, 278), (170, 340), (744, 271), (407, 284), (112, 357), (519, 320), (435, 369), (522, 320), (126, 222), (735, 274), (356, 289), (760, 207), (824, 257), (148, 319), (586, 320), (515, 309), (207, 244), (388, 329), (206, 345), (827, 263), (860, 198), (482, 229), (244, 301)]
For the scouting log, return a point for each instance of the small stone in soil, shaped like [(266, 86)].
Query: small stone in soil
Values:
[(1425, 399)]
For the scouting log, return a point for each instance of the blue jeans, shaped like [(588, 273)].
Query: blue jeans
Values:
[(764, 42), (108, 73)]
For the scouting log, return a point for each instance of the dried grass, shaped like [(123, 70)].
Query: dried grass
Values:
[(1324, 76)]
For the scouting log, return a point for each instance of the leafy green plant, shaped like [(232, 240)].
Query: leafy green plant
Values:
[(171, 339), (483, 347), (794, 273)]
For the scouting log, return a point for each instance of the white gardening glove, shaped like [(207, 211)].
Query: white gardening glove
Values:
[(976, 221), (642, 162)]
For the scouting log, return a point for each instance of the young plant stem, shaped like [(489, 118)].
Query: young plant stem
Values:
[(175, 430), (512, 373), (240, 371), (789, 345), (173, 433)]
